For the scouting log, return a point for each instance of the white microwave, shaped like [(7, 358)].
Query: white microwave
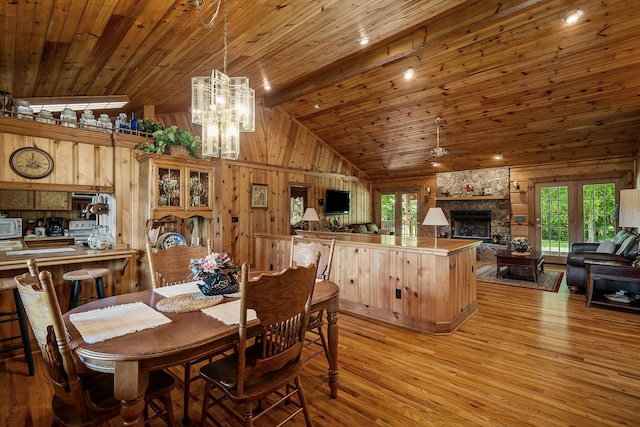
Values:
[(10, 228)]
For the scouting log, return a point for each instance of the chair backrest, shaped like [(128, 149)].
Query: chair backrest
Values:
[(281, 301), (304, 250), (43, 310), (171, 266)]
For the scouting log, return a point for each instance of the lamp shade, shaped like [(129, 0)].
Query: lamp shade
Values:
[(310, 215), (435, 216), (629, 208)]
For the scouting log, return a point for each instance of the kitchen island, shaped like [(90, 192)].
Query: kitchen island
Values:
[(406, 281), (120, 261)]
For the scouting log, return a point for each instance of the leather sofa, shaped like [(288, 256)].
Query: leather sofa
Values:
[(622, 250)]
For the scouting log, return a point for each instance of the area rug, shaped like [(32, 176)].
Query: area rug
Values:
[(547, 281)]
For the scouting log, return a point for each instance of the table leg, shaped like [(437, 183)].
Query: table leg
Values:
[(129, 387), (332, 336)]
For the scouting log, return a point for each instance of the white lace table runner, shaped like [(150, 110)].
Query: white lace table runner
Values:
[(229, 313), (105, 323)]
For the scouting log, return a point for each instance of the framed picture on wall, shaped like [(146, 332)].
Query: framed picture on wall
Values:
[(259, 195)]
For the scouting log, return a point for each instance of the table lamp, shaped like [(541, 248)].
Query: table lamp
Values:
[(435, 217), (310, 215), (629, 208)]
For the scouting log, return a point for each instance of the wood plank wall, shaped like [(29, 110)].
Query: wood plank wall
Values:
[(279, 154)]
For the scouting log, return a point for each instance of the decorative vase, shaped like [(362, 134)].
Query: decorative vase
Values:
[(521, 249), (219, 284), (100, 238)]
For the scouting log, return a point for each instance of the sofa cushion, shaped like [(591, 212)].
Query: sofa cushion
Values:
[(632, 251), (372, 227), (621, 236), (607, 247), (626, 245)]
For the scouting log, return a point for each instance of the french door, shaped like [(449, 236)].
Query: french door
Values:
[(399, 213), (573, 211)]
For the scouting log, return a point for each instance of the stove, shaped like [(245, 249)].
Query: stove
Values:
[(81, 230)]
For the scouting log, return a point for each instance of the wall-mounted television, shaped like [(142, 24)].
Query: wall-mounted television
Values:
[(336, 202)]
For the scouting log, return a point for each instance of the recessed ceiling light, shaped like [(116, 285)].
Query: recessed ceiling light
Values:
[(266, 85), (435, 163), (497, 156), (316, 106), (573, 16), (408, 74), (363, 40)]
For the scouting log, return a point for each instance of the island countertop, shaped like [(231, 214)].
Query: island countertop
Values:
[(443, 246), (12, 260)]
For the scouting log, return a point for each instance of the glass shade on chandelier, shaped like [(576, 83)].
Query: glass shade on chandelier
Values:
[(224, 106)]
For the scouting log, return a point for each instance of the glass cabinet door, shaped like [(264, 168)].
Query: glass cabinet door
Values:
[(169, 188), (198, 185)]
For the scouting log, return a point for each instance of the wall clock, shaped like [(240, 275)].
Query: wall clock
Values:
[(31, 162)]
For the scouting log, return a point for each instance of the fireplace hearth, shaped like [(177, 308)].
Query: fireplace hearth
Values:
[(471, 224)]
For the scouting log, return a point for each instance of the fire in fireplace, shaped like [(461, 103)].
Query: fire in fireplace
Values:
[(471, 224)]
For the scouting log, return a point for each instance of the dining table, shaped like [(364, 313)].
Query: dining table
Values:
[(187, 336)]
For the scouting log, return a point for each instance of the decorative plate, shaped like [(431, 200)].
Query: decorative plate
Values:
[(169, 240), (618, 298)]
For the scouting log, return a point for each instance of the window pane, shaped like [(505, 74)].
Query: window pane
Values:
[(554, 220), (598, 204), (388, 212)]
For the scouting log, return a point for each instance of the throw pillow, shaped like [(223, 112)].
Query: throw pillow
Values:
[(607, 247), (372, 227), (626, 245)]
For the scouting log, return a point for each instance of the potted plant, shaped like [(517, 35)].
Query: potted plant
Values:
[(164, 138)]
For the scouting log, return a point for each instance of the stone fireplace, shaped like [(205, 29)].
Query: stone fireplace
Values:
[(477, 205), (471, 224)]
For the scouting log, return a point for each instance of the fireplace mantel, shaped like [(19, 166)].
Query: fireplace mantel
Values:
[(468, 198)]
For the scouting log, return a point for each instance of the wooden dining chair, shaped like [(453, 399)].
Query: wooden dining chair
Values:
[(303, 252), (267, 357), (170, 267), (81, 397)]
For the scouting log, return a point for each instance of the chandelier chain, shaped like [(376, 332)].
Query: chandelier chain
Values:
[(197, 4), (225, 37)]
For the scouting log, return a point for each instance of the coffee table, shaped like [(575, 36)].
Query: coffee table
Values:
[(520, 265)]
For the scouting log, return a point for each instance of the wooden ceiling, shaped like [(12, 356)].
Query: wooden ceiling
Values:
[(507, 77)]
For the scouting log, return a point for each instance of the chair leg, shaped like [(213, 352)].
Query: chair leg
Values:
[(185, 398), (24, 332), (325, 346), (205, 405), (303, 402), (75, 294), (248, 414), (100, 287)]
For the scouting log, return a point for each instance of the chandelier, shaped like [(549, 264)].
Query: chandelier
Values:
[(224, 106), (438, 151)]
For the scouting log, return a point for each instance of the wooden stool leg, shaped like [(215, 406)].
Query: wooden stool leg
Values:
[(24, 331), (100, 287), (75, 294)]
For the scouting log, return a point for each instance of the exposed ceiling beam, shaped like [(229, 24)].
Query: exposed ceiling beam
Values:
[(402, 45)]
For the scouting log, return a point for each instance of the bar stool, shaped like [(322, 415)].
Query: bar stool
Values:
[(77, 276), (20, 316)]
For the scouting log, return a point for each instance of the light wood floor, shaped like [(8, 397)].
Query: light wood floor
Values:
[(527, 358)]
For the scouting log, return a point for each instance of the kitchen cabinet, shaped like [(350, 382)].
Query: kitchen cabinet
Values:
[(34, 200), (175, 186), (16, 200), (52, 201)]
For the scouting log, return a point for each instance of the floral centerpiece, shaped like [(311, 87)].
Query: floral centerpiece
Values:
[(520, 244), (218, 272)]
